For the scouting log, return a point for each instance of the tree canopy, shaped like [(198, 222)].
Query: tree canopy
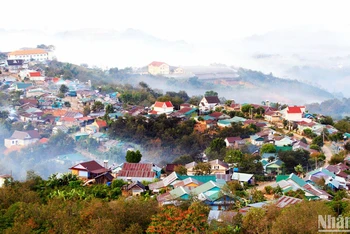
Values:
[(133, 156)]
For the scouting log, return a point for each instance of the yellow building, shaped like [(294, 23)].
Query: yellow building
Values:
[(158, 68)]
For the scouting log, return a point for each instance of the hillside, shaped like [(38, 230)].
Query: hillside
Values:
[(240, 84)]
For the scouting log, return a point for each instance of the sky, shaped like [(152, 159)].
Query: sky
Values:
[(180, 20), (304, 40)]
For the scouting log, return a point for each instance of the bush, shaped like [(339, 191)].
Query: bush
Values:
[(269, 190)]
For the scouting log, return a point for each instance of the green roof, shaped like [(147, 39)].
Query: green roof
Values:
[(297, 180), (200, 178), (21, 85), (205, 187), (281, 177), (283, 148), (178, 192)]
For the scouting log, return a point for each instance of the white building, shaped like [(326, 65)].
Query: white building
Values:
[(158, 68), (30, 55), (293, 113), (209, 103)]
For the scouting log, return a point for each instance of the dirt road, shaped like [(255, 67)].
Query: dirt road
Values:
[(328, 153)]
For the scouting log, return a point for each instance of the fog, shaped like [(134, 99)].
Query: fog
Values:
[(317, 57)]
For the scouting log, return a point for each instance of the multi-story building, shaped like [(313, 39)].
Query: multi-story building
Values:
[(158, 68), (30, 55)]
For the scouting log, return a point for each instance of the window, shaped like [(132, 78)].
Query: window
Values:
[(216, 167)]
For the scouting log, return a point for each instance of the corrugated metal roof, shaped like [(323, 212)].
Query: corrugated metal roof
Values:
[(285, 201), (139, 174), (137, 166)]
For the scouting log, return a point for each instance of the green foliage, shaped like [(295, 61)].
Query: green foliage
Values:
[(183, 159), (4, 114), (233, 156), (202, 169), (267, 148), (97, 106), (181, 170), (337, 158), (318, 141), (217, 149), (327, 120), (308, 133), (299, 169), (63, 89), (343, 125), (293, 158), (86, 110), (133, 156), (211, 93)]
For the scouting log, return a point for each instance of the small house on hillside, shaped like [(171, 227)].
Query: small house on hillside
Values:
[(162, 107), (22, 138), (209, 103), (88, 170)]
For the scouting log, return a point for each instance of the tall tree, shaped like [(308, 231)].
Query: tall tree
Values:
[(133, 156)]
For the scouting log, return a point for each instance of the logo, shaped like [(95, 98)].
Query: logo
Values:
[(329, 223)]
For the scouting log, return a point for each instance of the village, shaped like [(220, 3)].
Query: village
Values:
[(54, 105)]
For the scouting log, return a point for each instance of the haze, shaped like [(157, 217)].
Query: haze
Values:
[(304, 40)]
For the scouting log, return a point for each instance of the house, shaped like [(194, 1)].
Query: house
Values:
[(243, 177), (219, 115), (179, 70), (273, 116), (273, 167), (293, 113), (158, 68), (100, 137), (104, 178), (14, 65), (136, 188), (88, 170), (81, 136), (22, 138), (185, 112), (29, 55), (257, 140), (228, 122), (218, 167), (163, 107), (3, 178), (20, 86), (233, 141), (190, 183), (100, 124), (209, 103), (190, 168), (35, 76), (283, 142), (170, 168), (139, 172), (156, 186)]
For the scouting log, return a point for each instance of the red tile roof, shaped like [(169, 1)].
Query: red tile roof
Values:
[(44, 140), (160, 104), (294, 110), (156, 64), (34, 74), (101, 123)]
